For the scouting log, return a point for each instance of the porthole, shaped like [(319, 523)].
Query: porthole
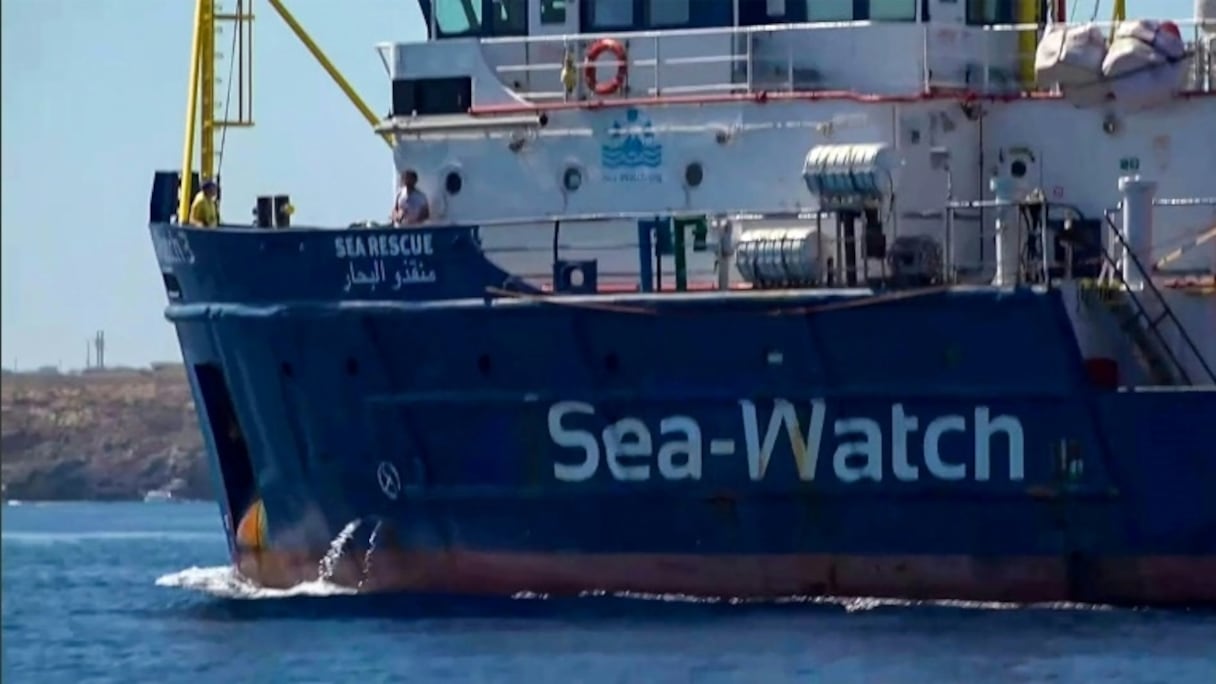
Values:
[(694, 174), (572, 179)]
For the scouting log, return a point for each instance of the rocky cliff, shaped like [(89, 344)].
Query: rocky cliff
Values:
[(100, 435)]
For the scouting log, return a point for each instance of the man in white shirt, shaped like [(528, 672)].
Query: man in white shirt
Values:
[(410, 206)]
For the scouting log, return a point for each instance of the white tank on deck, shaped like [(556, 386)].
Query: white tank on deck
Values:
[(848, 174), (781, 256)]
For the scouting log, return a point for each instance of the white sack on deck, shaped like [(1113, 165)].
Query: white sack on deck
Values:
[(1071, 57), (1145, 64)]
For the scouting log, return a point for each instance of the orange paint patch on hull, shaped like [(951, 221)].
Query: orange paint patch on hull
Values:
[(251, 531)]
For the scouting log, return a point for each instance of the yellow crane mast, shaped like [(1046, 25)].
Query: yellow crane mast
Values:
[(201, 105)]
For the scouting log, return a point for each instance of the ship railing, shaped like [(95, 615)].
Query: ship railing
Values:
[(724, 60), (626, 253), (1127, 272), (649, 252), (879, 58), (814, 247), (603, 216), (1129, 265), (1030, 265)]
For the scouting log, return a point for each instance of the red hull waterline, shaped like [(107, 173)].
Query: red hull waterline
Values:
[(1141, 580)]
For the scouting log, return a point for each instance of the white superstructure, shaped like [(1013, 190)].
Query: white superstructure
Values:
[(530, 111)]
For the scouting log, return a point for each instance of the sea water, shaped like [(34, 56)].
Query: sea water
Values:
[(141, 593)]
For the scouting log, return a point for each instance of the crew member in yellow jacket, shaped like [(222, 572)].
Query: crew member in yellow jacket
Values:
[(204, 212)]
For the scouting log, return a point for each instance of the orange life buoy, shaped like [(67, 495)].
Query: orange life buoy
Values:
[(598, 48)]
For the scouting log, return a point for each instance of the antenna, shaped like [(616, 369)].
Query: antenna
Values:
[(99, 343)]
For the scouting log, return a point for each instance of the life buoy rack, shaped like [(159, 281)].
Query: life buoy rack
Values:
[(598, 48)]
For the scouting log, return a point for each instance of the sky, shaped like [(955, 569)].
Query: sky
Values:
[(92, 96)]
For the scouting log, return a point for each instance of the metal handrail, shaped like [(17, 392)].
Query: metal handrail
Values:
[(953, 70), (1167, 313), (747, 214), (795, 26)]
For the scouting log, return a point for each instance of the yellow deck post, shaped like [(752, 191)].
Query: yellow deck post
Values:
[(1028, 40)]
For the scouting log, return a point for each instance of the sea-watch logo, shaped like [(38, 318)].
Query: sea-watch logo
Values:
[(631, 153)]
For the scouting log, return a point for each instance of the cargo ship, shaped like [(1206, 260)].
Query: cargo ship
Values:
[(728, 298)]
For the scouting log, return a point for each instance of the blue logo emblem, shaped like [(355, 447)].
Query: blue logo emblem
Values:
[(632, 145)]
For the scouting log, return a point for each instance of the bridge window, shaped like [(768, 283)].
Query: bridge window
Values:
[(760, 12), (664, 13), (610, 14), (552, 11), (893, 10), (990, 12), (613, 15), (509, 18), (483, 18), (829, 10), (456, 18), (755, 12)]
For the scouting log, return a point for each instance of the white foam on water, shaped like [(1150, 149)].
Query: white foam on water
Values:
[(329, 563), (367, 557), (850, 604), (225, 581)]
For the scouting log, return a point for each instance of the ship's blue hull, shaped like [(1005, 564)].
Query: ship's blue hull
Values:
[(943, 444)]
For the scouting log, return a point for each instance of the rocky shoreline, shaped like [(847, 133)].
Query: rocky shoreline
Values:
[(100, 435)]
